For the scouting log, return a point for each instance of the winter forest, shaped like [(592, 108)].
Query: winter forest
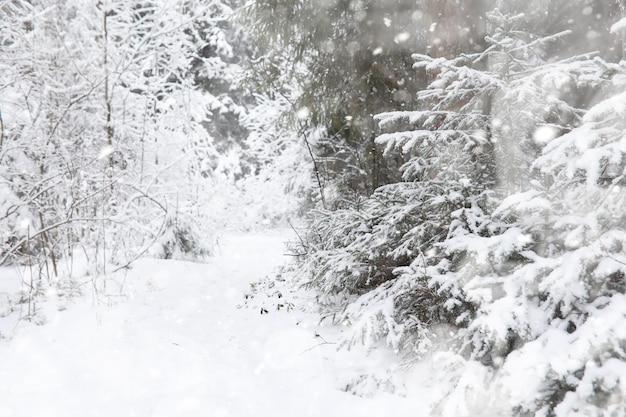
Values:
[(449, 175)]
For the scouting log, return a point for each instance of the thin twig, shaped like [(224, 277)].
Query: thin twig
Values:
[(304, 245), (1, 131), (325, 342)]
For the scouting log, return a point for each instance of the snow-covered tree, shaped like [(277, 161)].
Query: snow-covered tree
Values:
[(409, 258), (349, 59), (546, 282), (106, 135), (49, 140), (549, 287)]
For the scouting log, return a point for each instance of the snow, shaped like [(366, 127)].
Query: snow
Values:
[(402, 37), (183, 341), (545, 134), (618, 26)]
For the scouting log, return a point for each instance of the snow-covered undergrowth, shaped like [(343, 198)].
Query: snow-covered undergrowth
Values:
[(172, 338)]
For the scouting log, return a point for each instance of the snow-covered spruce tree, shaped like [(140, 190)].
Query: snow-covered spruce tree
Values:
[(394, 265), (547, 281), (216, 71), (349, 59), (353, 254), (550, 288), (586, 20), (250, 162)]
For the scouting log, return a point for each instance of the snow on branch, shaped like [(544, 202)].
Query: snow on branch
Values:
[(619, 26)]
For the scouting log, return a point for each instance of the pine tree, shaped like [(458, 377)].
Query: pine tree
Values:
[(550, 268), (349, 59), (554, 271), (406, 259)]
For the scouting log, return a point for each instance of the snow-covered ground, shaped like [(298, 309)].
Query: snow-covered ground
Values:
[(182, 340)]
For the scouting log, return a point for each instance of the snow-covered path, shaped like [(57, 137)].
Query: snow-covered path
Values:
[(184, 345)]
